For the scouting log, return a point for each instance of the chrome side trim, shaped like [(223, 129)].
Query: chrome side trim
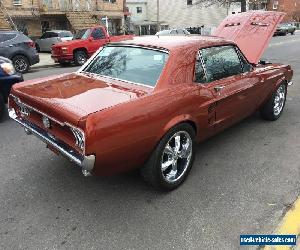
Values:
[(85, 162)]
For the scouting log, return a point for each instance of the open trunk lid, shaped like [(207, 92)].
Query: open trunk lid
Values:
[(251, 31)]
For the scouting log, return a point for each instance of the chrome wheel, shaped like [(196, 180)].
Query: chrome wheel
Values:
[(176, 156), (279, 100), (80, 57), (20, 65)]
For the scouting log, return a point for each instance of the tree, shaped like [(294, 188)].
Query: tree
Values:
[(296, 15), (222, 2)]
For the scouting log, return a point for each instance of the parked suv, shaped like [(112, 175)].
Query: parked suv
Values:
[(18, 48), (52, 37)]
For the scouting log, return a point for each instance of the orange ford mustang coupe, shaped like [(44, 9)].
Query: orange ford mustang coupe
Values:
[(144, 103)]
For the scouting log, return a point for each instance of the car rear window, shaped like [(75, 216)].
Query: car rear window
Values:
[(134, 64), (6, 37)]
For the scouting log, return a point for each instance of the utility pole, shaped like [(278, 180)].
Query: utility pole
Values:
[(158, 26)]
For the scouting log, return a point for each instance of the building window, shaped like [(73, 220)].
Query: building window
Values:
[(17, 2), (110, 1), (275, 5), (139, 10), (189, 2)]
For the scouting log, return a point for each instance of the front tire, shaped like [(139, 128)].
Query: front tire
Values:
[(273, 108), (171, 161), (80, 57), (2, 107)]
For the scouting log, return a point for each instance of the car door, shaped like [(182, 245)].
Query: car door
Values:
[(98, 39), (232, 83), (52, 39), (43, 40)]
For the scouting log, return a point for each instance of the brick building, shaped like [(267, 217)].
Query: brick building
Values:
[(291, 7), (36, 16)]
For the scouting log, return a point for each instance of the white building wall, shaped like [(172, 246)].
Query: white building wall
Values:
[(137, 17), (178, 14)]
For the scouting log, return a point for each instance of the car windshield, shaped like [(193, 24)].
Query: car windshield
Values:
[(138, 65), (82, 34)]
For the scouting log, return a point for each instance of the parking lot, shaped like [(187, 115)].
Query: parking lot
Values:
[(243, 182)]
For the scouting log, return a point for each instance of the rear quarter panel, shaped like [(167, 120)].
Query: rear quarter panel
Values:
[(124, 136)]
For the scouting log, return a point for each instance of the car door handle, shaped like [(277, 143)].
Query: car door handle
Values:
[(219, 88)]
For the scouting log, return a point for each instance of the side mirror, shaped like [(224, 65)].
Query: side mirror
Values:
[(91, 39)]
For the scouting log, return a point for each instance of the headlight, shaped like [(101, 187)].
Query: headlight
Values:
[(8, 68), (79, 137)]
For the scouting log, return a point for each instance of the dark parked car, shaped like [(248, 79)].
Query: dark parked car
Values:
[(18, 48), (284, 29), (8, 77)]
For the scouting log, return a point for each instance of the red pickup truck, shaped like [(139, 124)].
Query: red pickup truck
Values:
[(84, 44)]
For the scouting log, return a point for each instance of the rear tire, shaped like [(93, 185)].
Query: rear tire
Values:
[(80, 57), (21, 63), (169, 165), (273, 108), (2, 107)]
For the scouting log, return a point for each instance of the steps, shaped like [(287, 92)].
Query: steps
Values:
[(81, 19)]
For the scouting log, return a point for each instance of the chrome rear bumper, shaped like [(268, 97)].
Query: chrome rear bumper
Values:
[(85, 162)]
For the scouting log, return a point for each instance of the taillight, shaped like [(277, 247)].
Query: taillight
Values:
[(30, 44)]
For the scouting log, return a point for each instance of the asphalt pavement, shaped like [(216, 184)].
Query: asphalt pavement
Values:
[(243, 182)]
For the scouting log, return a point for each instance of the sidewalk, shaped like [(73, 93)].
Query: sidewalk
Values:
[(45, 61)]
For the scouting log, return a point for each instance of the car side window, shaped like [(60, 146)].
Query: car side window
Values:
[(98, 34), (173, 32), (45, 35), (53, 34), (221, 62), (246, 66), (199, 71)]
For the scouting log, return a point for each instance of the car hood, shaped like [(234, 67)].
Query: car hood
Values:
[(251, 31), (70, 43), (71, 97)]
